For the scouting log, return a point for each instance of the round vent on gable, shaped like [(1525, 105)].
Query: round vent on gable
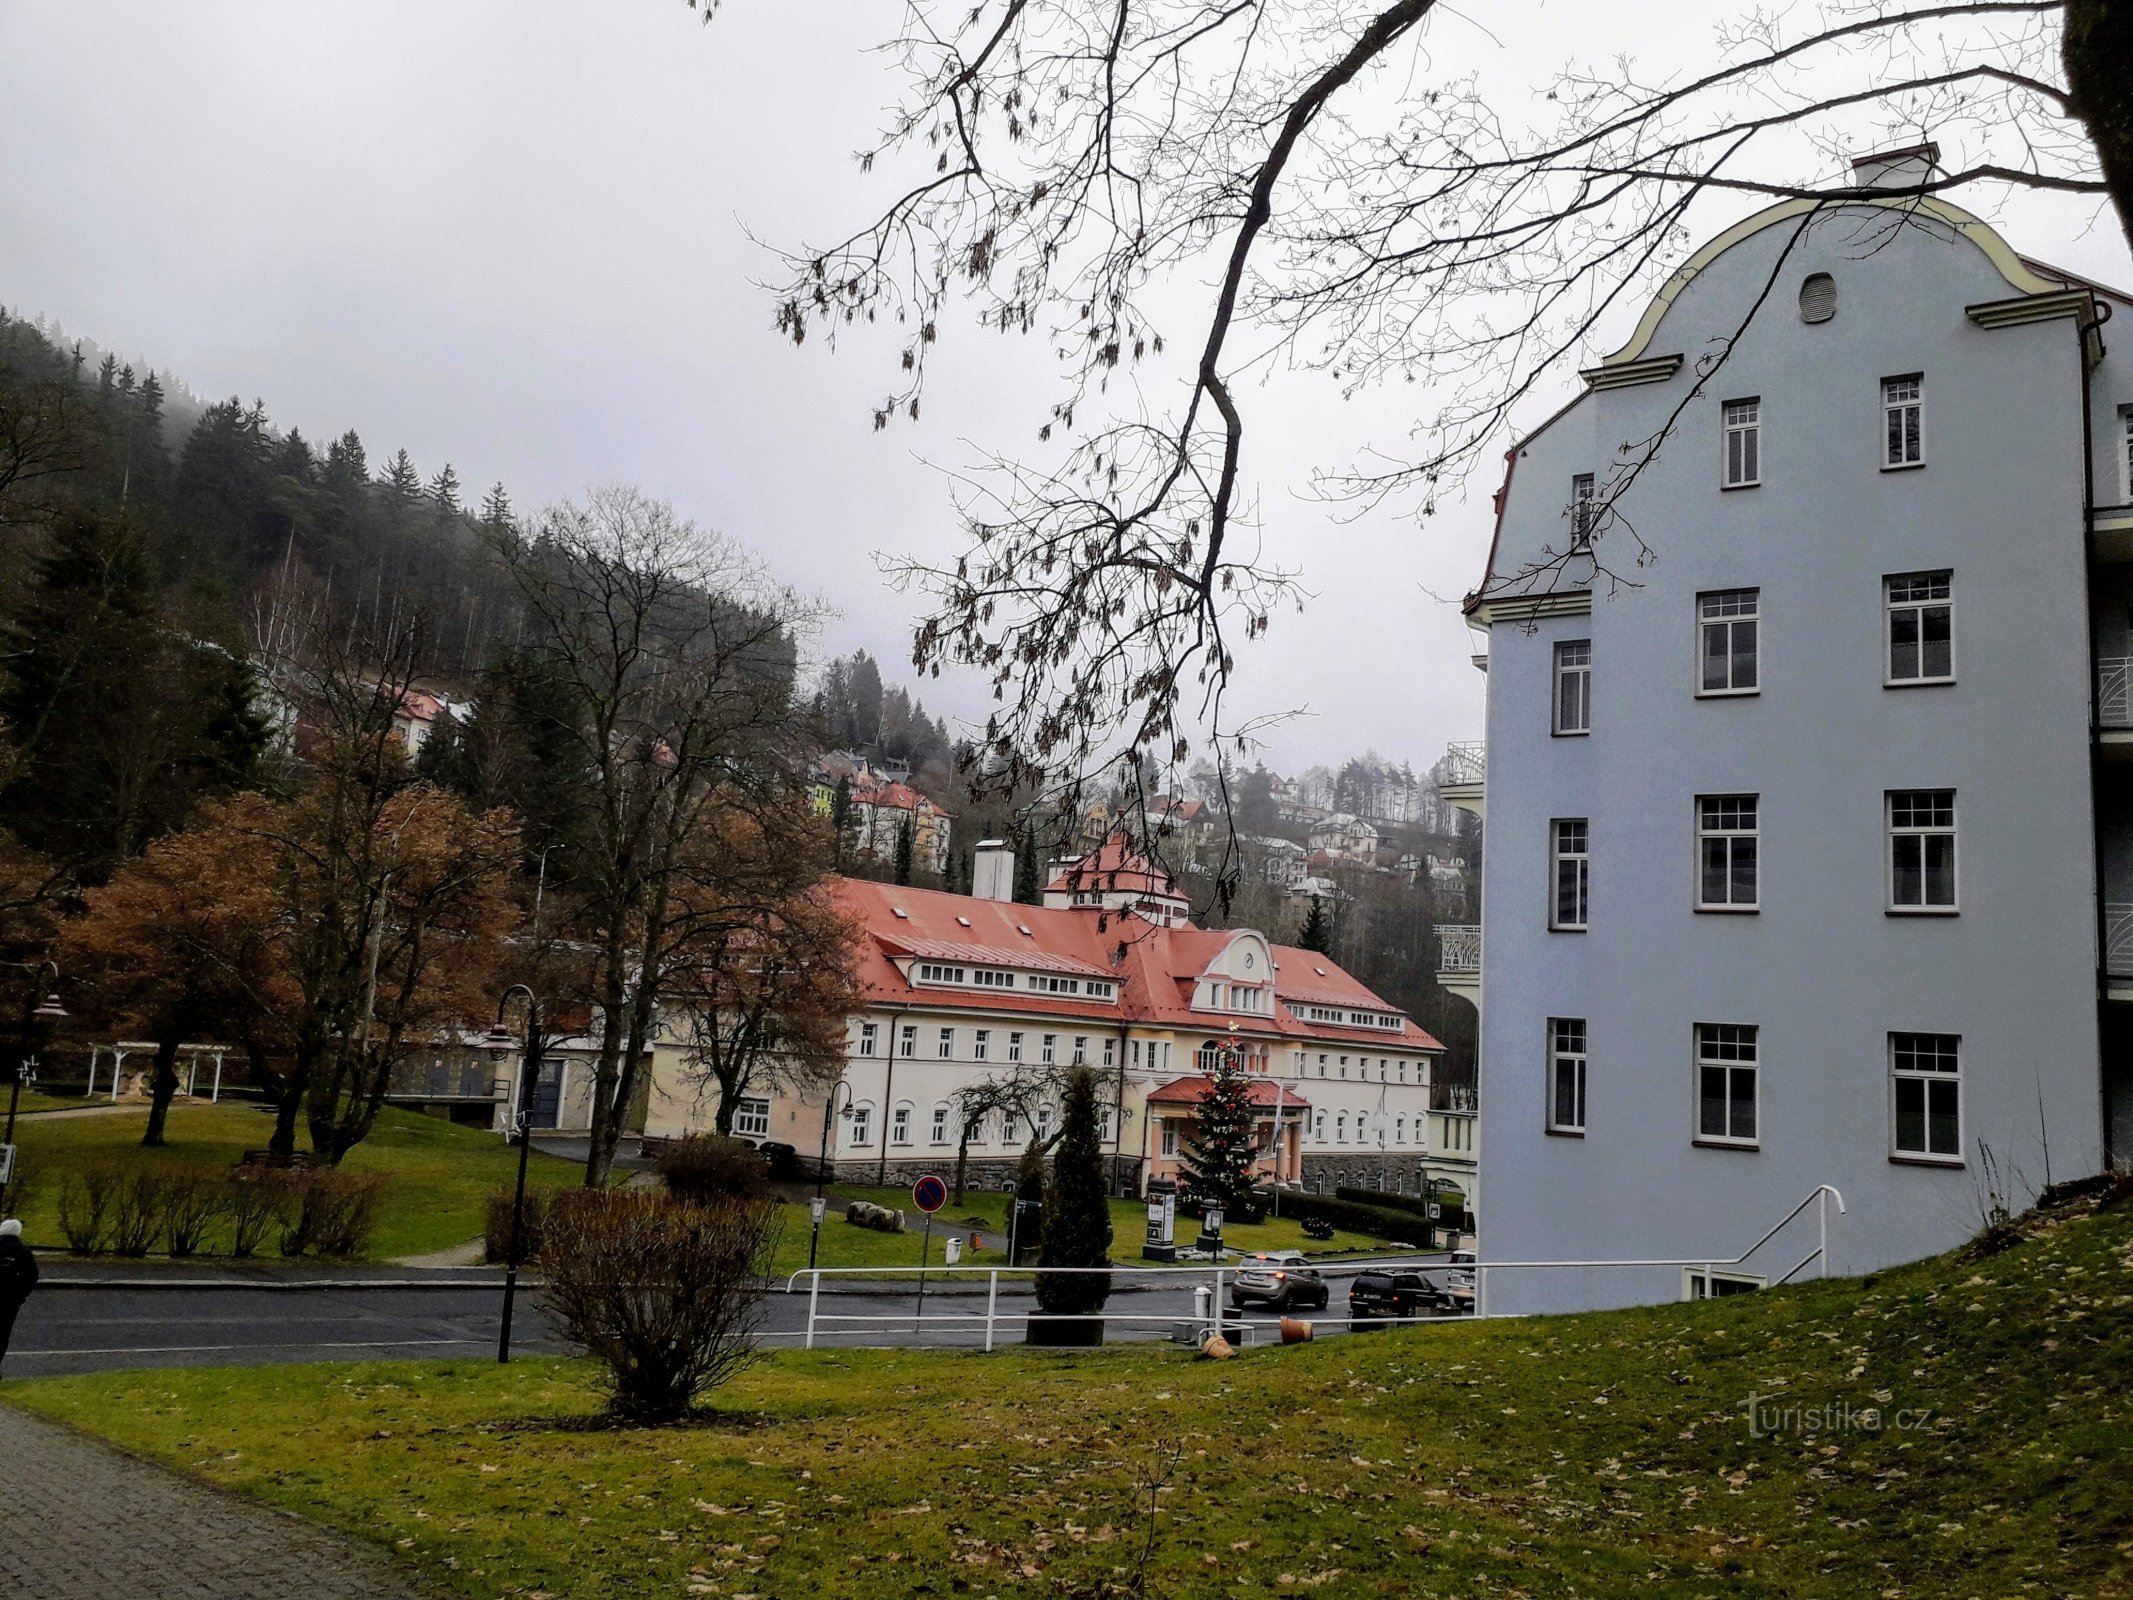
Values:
[(1818, 297)]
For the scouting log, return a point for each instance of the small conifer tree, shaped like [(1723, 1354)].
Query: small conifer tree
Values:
[(1317, 932), (904, 845), (1218, 1167), (1077, 1212)]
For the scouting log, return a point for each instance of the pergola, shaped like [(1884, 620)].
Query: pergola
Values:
[(189, 1055)]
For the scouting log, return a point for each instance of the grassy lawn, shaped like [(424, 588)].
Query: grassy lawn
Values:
[(437, 1175), (38, 1100), (1599, 1455), (985, 1213)]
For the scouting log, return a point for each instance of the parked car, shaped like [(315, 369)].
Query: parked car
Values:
[(1378, 1297), (1279, 1278), (1456, 1293)]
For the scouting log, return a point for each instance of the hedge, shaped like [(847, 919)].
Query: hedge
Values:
[(1454, 1211), (1378, 1221)]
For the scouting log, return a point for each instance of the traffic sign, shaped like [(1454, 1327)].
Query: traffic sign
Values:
[(929, 1194)]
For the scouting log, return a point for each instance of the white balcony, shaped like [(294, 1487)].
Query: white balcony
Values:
[(1466, 771), (2118, 945), (1459, 960)]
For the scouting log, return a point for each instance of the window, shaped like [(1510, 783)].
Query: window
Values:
[(1727, 840), (1340, 1127), (1110, 1052), (930, 972), (863, 1122), (1729, 641), (1099, 991), (900, 1124), (992, 978), (907, 1040), (1010, 1128), (1711, 1283), (1344, 1066), (866, 1038), (1726, 1069), (751, 1118), (1081, 1049), (1926, 1099), (1318, 1127), (2125, 452), (946, 1047), (1569, 842), (1399, 1130), (1921, 628), (1818, 297), (1573, 686), (1322, 1063), (980, 1043), (1566, 1075), (1014, 1047), (940, 1123), (1044, 1123), (1903, 406), (1170, 1138), (1050, 1050), (1581, 497), (1744, 443), (1921, 849)]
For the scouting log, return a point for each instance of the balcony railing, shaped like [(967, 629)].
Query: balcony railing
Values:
[(1466, 762), (2118, 938), (2114, 697), (1459, 949)]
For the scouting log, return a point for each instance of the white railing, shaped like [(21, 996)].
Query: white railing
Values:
[(1819, 1198), (2118, 939), (1466, 762), (2114, 692), (1459, 950)]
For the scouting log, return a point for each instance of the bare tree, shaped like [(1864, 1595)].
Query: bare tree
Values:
[(678, 653), (1018, 1093), (1058, 166)]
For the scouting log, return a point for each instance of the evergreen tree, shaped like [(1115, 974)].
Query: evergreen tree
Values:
[(496, 509), (1317, 933), (904, 844), (1077, 1211), (1029, 878), (1028, 1216), (403, 484), (1218, 1167), (444, 492), (842, 820)]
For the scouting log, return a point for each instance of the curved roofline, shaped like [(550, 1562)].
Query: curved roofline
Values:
[(1997, 250)]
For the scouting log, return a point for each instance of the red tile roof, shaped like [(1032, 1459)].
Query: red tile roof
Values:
[(1260, 1092), (1156, 968), (896, 796)]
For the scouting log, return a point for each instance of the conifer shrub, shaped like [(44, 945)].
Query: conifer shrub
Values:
[(1077, 1211)]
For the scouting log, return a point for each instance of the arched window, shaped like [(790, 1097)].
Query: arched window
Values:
[(862, 1123), (1818, 297), (941, 1119), (1399, 1130), (1044, 1122), (1340, 1128), (1208, 1057), (900, 1123), (1318, 1131)]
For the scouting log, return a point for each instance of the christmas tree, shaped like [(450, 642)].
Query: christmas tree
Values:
[(1218, 1167)]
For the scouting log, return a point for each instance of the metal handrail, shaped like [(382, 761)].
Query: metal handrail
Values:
[(1466, 761), (2114, 692), (1458, 948), (2118, 938)]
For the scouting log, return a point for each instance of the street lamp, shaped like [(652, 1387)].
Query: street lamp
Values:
[(816, 1206), (500, 1042), (35, 1016)]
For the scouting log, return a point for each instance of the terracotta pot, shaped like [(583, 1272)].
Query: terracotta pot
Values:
[(1294, 1330)]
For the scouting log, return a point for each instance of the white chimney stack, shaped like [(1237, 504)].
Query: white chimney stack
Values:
[(992, 870), (1910, 168)]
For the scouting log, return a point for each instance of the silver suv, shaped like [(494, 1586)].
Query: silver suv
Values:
[(1280, 1279)]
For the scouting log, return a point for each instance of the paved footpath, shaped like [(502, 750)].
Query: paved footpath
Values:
[(86, 1522)]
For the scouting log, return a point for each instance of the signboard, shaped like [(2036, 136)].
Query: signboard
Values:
[(7, 1165), (929, 1194), (1162, 1216)]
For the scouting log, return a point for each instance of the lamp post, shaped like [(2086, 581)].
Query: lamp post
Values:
[(816, 1206), (501, 1042), (35, 1015)]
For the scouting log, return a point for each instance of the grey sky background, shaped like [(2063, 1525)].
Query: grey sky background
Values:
[(515, 237)]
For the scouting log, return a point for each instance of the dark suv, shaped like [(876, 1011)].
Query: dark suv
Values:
[(1278, 1279), (1377, 1297)]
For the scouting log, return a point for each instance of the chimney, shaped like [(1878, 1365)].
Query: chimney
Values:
[(1907, 169), (992, 870)]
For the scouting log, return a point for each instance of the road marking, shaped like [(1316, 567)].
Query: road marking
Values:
[(218, 1349)]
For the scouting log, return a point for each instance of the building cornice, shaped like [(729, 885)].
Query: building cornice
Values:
[(1526, 607)]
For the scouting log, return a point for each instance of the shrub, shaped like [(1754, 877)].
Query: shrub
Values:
[(496, 1224), (332, 1212), (706, 1166), (1317, 1228), (85, 1196), (137, 1200), (1376, 1221), (664, 1292), (1077, 1211), (257, 1202), (194, 1200)]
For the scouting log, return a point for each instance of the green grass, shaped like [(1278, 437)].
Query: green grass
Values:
[(34, 1100), (1599, 1455), (438, 1175), (846, 1245)]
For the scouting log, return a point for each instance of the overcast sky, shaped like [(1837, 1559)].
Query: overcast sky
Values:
[(516, 237)]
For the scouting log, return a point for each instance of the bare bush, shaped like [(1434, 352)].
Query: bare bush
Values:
[(496, 1223), (331, 1212), (85, 1196), (256, 1202), (665, 1293), (137, 1200), (194, 1200), (706, 1167)]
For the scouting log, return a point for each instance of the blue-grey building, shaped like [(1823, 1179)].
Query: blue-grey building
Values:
[(1809, 850)]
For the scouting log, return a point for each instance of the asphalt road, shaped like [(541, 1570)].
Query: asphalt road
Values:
[(370, 1315)]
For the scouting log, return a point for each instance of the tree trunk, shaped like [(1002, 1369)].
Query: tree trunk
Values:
[(600, 1150), (962, 1163), (161, 1087), (288, 1098), (2098, 55)]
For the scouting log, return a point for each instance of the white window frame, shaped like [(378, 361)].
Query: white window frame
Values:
[(1734, 1051), (2125, 454), (941, 1117), (1577, 862), (1048, 1051), (1014, 1046), (907, 1041), (1903, 448), (980, 1043), (1170, 1137), (1340, 1127), (944, 1046), (1928, 1079), (1081, 1050), (1938, 594), (1913, 829), (862, 1127), (1696, 1282), (1573, 672), (1718, 827), (751, 1116), (1741, 420), (900, 1124), (867, 1033), (1572, 1052), (1711, 614), (1583, 495)]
